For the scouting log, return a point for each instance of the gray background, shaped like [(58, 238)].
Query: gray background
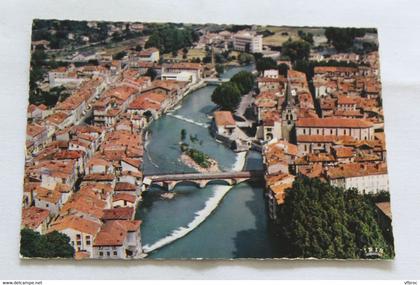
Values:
[(398, 24)]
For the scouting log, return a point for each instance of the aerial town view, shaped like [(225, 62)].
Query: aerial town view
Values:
[(204, 141)]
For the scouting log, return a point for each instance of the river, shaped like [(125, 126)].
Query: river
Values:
[(217, 221)]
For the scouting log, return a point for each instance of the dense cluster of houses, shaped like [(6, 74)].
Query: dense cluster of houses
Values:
[(335, 134), (84, 156)]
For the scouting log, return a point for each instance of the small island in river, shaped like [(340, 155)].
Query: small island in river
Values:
[(209, 165)]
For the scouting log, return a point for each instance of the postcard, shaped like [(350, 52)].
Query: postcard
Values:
[(204, 141)]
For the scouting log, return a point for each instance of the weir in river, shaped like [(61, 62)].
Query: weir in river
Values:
[(217, 221)]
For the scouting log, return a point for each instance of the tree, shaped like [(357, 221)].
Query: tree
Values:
[(227, 96), (219, 69), (170, 38), (153, 41), (119, 55), (342, 38), (244, 80), (245, 58), (265, 63), (151, 73), (296, 50), (54, 244), (309, 37), (319, 220), (283, 68), (183, 134)]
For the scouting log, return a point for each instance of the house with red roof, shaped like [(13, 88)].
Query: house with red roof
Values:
[(80, 231), (118, 240), (35, 219)]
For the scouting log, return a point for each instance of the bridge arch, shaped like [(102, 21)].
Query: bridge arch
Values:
[(186, 183), (158, 184), (226, 182)]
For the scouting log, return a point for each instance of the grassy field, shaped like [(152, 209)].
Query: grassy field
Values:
[(194, 52), (282, 34)]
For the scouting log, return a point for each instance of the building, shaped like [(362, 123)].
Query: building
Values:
[(149, 55), (36, 112), (35, 219), (317, 134), (225, 128), (366, 178), (63, 76), (118, 239), (47, 199), (271, 73), (274, 84), (38, 135), (224, 123), (248, 42), (80, 231), (184, 71)]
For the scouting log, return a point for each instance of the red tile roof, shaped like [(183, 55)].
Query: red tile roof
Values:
[(224, 118), (356, 170), (124, 186), (122, 213), (332, 69), (33, 217), (124, 197), (333, 123), (75, 223), (114, 233)]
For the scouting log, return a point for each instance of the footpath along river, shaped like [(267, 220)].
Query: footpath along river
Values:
[(217, 221)]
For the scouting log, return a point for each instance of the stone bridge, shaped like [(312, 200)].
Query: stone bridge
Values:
[(170, 180)]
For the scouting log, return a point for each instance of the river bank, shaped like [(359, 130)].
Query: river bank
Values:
[(236, 215), (214, 166), (200, 216)]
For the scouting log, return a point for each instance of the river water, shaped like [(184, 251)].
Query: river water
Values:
[(217, 221)]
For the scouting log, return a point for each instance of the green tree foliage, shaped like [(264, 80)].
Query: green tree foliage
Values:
[(183, 134), (267, 33), (342, 38), (151, 73), (54, 244), (227, 96), (169, 38), (296, 50), (199, 157), (138, 48), (265, 63), (283, 68), (382, 196), (245, 58), (219, 69), (119, 55), (38, 60), (309, 37), (244, 80), (319, 220), (48, 98), (237, 28)]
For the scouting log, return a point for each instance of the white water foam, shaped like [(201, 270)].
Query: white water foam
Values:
[(146, 144), (176, 108), (200, 216), (240, 161), (179, 117)]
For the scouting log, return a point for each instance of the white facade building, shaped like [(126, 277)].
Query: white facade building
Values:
[(246, 41), (365, 184)]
